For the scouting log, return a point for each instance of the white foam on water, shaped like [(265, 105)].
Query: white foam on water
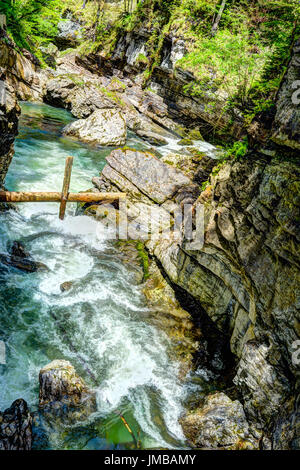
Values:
[(174, 147), (102, 313)]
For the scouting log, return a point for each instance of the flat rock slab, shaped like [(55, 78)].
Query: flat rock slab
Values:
[(151, 176)]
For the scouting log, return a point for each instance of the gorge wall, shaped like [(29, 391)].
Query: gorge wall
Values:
[(246, 275), (18, 80)]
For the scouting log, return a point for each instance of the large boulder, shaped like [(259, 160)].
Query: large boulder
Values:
[(152, 137), (105, 127), (16, 427), (77, 94), (220, 422), (60, 384)]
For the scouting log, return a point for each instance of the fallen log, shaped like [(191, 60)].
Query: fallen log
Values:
[(11, 196)]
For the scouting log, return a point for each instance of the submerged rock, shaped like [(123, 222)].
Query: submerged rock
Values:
[(16, 427), (220, 422), (24, 264), (105, 127), (152, 138), (65, 286), (19, 250)]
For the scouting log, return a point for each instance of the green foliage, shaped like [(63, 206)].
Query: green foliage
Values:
[(238, 150), (32, 22)]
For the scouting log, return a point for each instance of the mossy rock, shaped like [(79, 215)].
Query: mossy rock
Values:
[(185, 141), (194, 134)]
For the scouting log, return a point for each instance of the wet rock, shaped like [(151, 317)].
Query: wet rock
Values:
[(16, 427), (167, 315), (65, 286), (152, 138), (105, 127), (24, 264), (220, 422), (185, 141), (19, 250), (60, 385)]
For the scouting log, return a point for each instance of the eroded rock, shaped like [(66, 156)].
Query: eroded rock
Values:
[(16, 427), (220, 422), (60, 384)]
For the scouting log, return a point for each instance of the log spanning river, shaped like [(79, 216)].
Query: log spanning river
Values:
[(102, 314)]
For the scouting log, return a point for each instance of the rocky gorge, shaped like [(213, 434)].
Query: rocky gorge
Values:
[(232, 305)]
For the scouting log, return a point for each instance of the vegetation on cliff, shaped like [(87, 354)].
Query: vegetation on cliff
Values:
[(239, 47)]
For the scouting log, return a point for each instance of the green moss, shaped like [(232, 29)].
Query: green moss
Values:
[(112, 95), (144, 259), (185, 141), (194, 134)]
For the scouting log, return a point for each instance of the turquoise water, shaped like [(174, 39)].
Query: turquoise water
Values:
[(102, 314)]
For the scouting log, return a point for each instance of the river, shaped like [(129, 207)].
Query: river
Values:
[(102, 313)]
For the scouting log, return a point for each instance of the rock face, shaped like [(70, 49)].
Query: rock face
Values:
[(20, 71), (69, 33), (50, 54), (286, 129), (130, 57), (251, 210), (16, 427), (220, 422), (9, 112), (105, 127)]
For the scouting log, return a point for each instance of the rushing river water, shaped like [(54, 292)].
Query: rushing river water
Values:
[(102, 313)]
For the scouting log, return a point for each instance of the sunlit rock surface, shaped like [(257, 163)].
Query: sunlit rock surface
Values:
[(106, 127)]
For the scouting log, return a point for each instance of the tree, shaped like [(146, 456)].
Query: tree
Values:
[(218, 19), (31, 21)]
